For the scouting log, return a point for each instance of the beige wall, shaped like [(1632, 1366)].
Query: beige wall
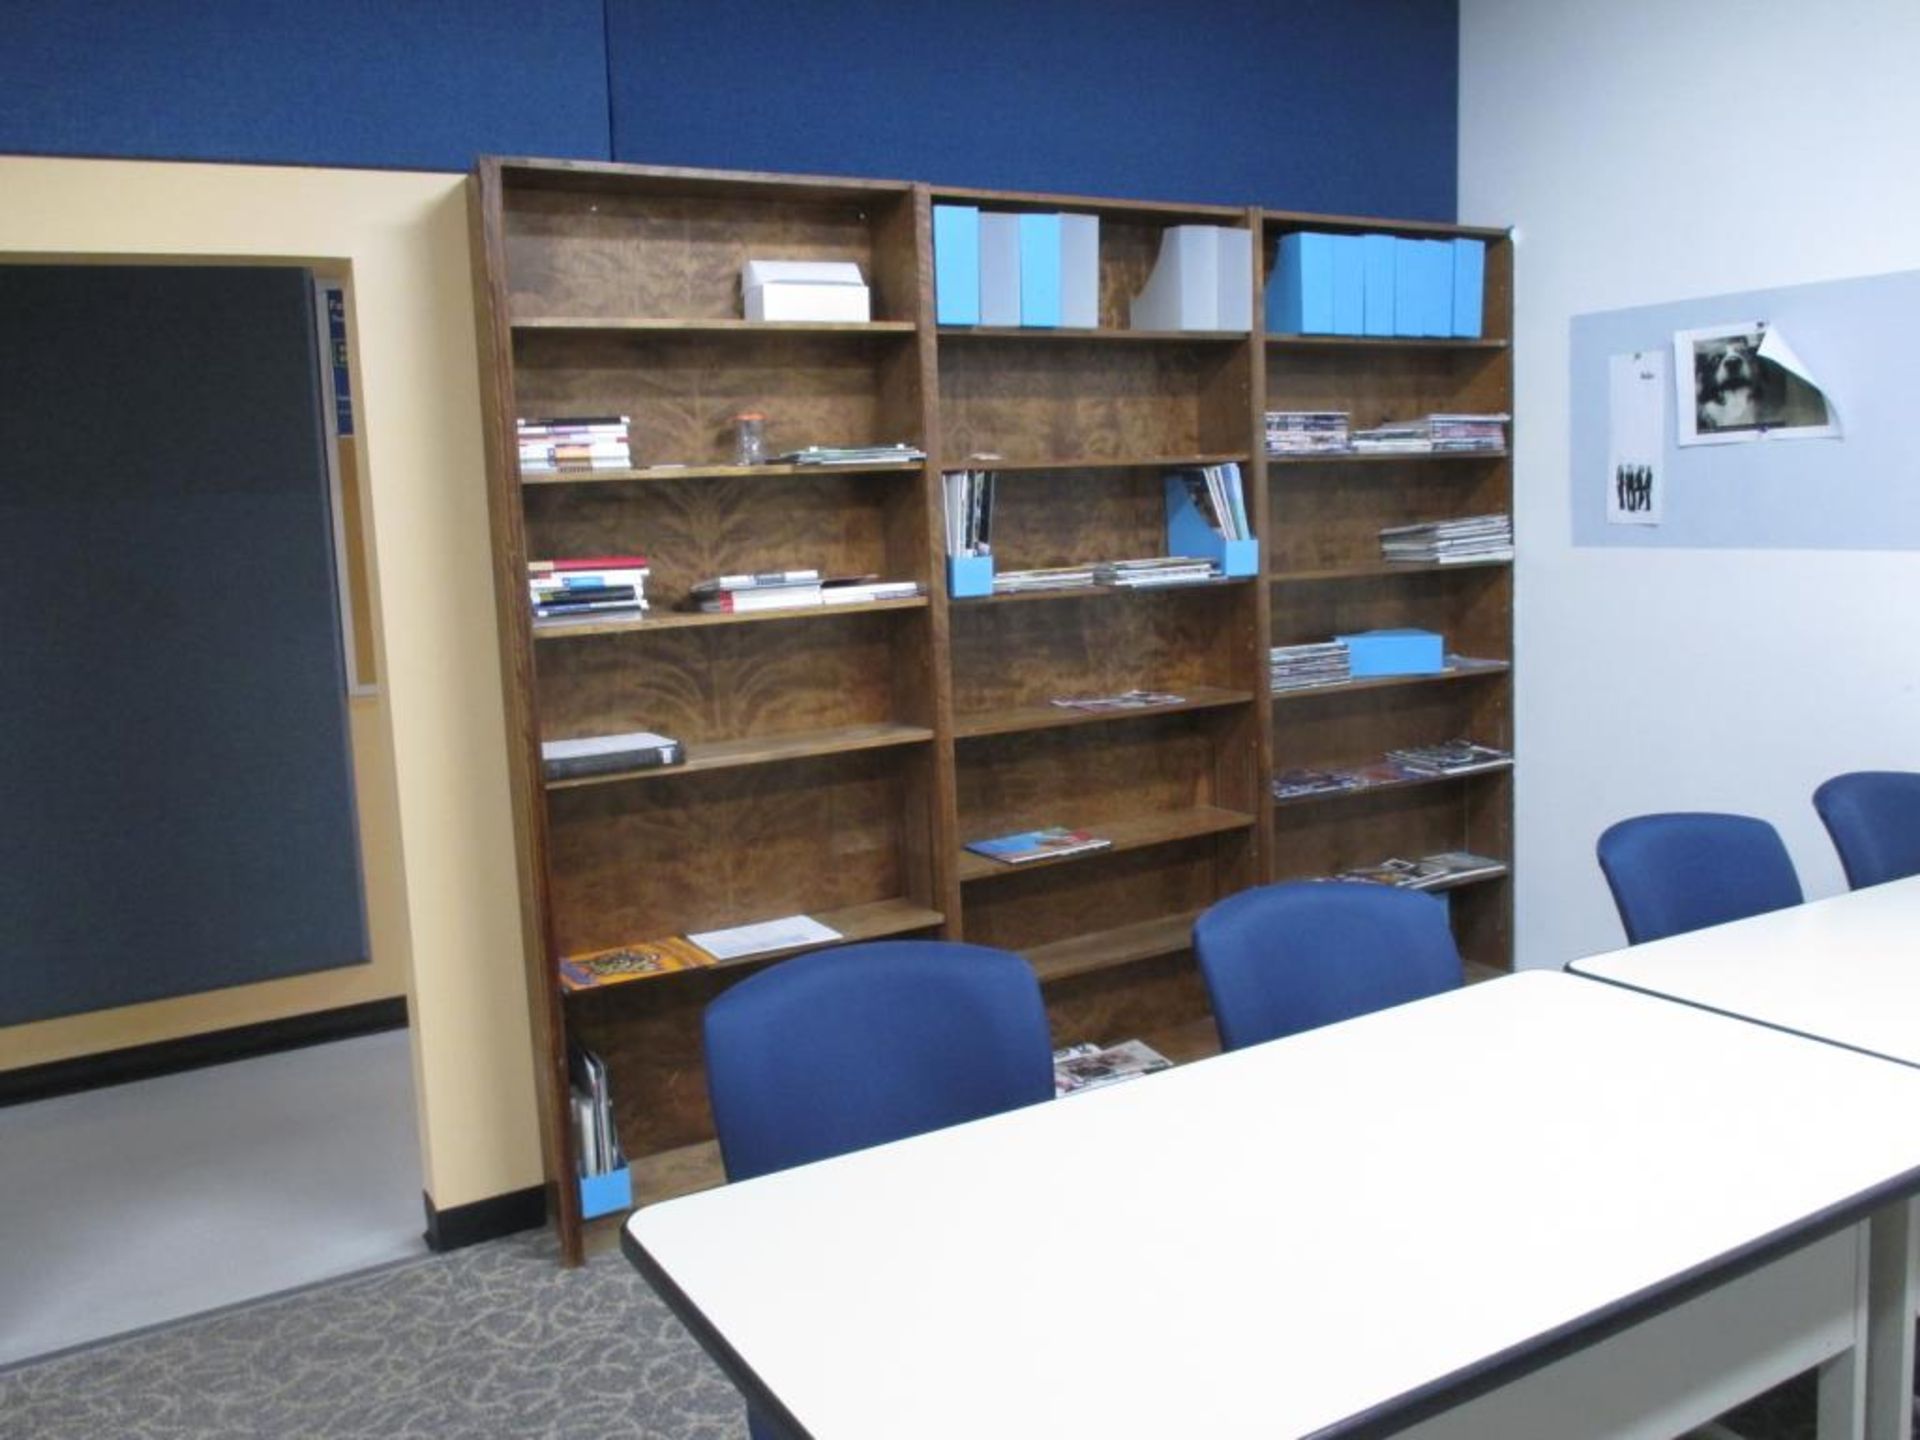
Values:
[(456, 913)]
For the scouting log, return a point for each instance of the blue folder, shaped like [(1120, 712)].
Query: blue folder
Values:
[(956, 264), (1436, 289), (1300, 300), (1040, 270), (1349, 285), (1469, 286), (1377, 262)]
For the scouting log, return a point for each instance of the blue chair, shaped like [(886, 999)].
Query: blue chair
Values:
[(841, 1049), (1672, 873), (1285, 958), (1874, 819)]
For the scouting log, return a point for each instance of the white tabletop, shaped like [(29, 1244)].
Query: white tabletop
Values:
[(1844, 970), (1288, 1237)]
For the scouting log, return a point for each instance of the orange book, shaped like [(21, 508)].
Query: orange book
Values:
[(622, 963)]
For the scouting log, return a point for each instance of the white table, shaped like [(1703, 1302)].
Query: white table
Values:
[(1538, 1207), (1844, 970)]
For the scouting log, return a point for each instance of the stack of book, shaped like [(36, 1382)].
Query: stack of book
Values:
[(1450, 542), (588, 586), (1439, 871), (854, 455), (609, 754), (1155, 571), (1309, 432), (591, 442), (1019, 582), (1299, 667), (1449, 434), (1088, 1066), (793, 590), (1461, 434), (1452, 757)]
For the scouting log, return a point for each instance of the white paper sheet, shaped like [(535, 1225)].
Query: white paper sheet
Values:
[(756, 939), (1636, 431)]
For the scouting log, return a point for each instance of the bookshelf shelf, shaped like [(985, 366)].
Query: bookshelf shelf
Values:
[(1017, 719), (1449, 457), (1109, 949), (1381, 342), (1483, 671), (1378, 569), (675, 620), (703, 756), (1093, 462), (1096, 337), (1387, 787), (658, 473), (839, 766), (1134, 833), (728, 329)]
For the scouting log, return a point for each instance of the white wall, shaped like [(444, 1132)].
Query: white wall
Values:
[(1648, 152)]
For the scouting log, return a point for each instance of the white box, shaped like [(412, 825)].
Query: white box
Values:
[(822, 290)]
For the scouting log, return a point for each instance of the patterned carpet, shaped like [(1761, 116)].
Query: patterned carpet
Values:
[(493, 1341)]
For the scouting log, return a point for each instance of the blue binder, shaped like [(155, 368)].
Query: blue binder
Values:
[(1469, 286), (1040, 270), (1377, 262), (1190, 532), (1409, 273), (1300, 300), (956, 264), (1436, 288), (1349, 285)]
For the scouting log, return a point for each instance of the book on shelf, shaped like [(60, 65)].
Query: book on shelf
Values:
[(1302, 667), (1086, 1066), (1309, 432), (1123, 700), (789, 932), (901, 454), (587, 585), (1025, 845), (1453, 757), (1466, 540), (596, 969), (759, 580), (591, 442), (609, 754), (797, 594)]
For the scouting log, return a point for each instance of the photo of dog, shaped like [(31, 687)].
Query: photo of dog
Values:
[(1738, 388)]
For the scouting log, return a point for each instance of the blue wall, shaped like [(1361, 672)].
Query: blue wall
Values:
[(1306, 104)]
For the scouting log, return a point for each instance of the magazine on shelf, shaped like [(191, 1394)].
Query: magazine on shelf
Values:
[(1088, 1067), (1453, 757), (1124, 700), (1047, 844), (596, 969)]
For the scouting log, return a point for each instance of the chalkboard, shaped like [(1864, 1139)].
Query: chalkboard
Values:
[(1858, 492), (176, 796)]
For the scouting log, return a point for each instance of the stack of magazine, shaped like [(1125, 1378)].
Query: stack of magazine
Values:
[(595, 1140), (1158, 570), (1220, 497), (1020, 582), (1450, 542), (608, 754), (1024, 846), (793, 590), (1439, 871), (1300, 667), (1089, 1066), (1434, 434), (1308, 432), (1452, 757), (854, 455)]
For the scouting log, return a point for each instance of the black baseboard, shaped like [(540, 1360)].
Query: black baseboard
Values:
[(461, 1225), (192, 1052)]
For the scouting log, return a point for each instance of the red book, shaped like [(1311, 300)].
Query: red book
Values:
[(588, 562)]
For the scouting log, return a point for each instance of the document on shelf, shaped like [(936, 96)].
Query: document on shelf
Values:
[(787, 933)]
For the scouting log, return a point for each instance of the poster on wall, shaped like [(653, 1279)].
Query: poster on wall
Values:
[(1741, 382), (1636, 406)]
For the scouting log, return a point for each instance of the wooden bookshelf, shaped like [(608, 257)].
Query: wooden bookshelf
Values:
[(838, 759)]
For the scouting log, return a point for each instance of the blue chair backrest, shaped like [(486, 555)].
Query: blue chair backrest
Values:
[(1874, 819), (1286, 958), (841, 1049), (1685, 871)]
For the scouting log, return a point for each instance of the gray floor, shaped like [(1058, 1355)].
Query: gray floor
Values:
[(138, 1204)]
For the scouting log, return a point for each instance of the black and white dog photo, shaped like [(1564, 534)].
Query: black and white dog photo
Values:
[(1737, 388)]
